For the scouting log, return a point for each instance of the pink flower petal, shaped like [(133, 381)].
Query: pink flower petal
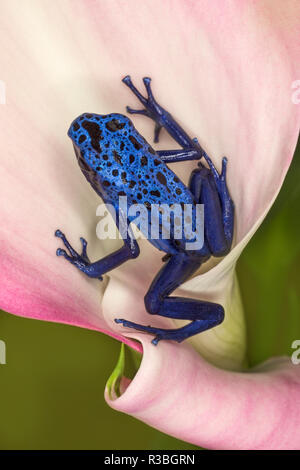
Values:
[(176, 391), (225, 71), (245, 58), (72, 60), (179, 393)]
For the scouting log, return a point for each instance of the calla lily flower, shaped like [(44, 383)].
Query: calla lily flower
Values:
[(225, 71)]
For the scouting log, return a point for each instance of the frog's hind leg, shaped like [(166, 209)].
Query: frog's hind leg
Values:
[(226, 201), (161, 117), (218, 207), (204, 315)]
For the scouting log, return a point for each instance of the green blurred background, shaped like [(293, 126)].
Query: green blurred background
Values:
[(51, 389)]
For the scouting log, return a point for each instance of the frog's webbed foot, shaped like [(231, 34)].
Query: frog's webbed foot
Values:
[(81, 261), (160, 333), (152, 109)]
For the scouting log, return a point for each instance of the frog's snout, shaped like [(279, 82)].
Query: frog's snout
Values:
[(72, 131)]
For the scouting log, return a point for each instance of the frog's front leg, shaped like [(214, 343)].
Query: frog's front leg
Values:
[(174, 156), (129, 250), (161, 117), (204, 315)]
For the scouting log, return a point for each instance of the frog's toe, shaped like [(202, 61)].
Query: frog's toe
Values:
[(156, 340), (127, 80), (83, 242), (60, 252), (224, 168), (157, 132), (147, 83), (84, 246), (135, 326), (125, 323), (159, 332), (58, 233), (144, 112)]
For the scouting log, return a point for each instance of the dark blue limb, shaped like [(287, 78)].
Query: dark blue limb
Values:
[(204, 315), (98, 268), (161, 117), (203, 187), (173, 156), (226, 201)]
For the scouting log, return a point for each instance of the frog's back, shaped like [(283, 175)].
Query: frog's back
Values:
[(118, 161), (124, 164), (140, 174)]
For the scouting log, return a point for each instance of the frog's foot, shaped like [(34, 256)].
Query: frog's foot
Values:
[(152, 109), (81, 261), (159, 332), (209, 319)]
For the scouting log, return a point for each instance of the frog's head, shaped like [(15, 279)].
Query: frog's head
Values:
[(88, 130), (98, 133)]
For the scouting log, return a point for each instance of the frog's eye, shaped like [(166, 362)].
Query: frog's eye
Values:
[(114, 125)]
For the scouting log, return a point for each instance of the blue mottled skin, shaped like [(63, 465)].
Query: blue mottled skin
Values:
[(117, 161)]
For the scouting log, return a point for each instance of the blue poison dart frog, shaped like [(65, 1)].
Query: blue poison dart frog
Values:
[(117, 161)]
